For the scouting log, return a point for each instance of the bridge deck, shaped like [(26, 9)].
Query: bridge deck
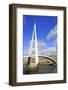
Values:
[(47, 57)]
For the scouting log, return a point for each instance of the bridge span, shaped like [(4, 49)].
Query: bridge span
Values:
[(46, 57)]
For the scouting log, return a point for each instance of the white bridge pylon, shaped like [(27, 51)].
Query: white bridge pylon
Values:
[(34, 39)]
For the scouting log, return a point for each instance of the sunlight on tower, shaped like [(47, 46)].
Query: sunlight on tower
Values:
[(36, 49), (31, 44)]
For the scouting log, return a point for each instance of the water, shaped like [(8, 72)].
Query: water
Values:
[(42, 69)]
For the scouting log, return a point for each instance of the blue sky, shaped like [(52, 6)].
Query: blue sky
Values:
[(45, 27)]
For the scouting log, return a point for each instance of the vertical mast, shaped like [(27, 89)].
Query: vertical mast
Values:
[(31, 43), (36, 49)]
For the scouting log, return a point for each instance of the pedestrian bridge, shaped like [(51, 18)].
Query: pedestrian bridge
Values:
[(46, 57)]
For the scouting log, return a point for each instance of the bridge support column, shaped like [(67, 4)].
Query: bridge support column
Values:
[(33, 40)]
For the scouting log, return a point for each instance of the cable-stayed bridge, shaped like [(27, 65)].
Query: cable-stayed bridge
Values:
[(36, 56)]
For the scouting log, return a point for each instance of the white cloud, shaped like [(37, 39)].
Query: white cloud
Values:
[(53, 43), (53, 33), (40, 44), (48, 51), (43, 49)]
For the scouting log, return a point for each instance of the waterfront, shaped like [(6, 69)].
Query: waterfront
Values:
[(42, 69)]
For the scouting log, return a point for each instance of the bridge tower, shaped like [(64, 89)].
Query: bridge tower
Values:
[(33, 41)]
